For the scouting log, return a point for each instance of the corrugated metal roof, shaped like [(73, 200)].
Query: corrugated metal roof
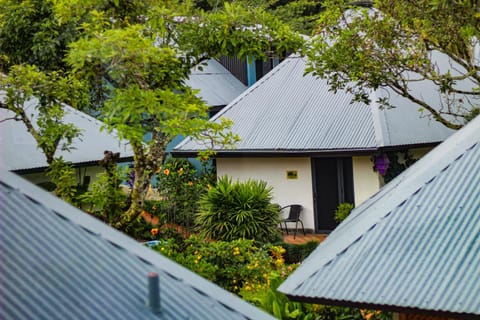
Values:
[(287, 110), (414, 245), (218, 87), (19, 150), (60, 263)]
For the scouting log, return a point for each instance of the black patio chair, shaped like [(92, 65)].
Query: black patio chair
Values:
[(293, 216)]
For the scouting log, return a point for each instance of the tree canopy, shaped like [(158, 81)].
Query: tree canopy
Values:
[(134, 57), (365, 45)]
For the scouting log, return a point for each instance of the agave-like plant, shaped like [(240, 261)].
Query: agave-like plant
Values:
[(238, 210)]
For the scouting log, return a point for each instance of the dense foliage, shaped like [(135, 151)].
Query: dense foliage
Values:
[(104, 197), (234, 265), (238, 210)]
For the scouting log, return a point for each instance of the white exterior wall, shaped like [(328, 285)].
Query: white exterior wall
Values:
[(274, 172), (366, 182)]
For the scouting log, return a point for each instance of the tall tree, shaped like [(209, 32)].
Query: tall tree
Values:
[(365, 45), (30, 34), (138, 71), (35, 99), (300, 15)]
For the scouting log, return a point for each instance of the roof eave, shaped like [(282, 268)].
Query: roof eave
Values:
[(276, 153), (75, 165), (382, 307), (303, 153)]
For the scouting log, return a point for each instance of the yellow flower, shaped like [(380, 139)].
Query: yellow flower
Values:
[(190, 183), (180, 171), (166, 172), (154, 231)]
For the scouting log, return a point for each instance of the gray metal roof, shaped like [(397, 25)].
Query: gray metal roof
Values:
[(288, 111), (60, 263), (415, 245), (218, 87), (19, 150)]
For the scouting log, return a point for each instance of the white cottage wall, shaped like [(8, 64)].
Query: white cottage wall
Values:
[(366, 182), (299, 190), (274, 172)]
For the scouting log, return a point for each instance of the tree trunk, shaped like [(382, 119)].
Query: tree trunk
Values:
[(137, 196)]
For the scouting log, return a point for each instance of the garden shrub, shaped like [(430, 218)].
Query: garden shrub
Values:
[(105, 199), (238, 210), (276, 303), (296, 253), (233, 265), (342, 212)]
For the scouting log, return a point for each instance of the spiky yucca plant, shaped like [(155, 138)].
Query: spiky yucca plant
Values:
[(238, 210)]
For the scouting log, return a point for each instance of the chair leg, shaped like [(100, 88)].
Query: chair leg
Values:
[(303, 229), (286, 228), (296, 229)]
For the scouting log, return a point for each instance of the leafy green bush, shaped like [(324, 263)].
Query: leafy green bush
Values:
[(105, 199), (295, 253), (238, 210), (233, 265), (276, 303), (62, 174), (343, 210)]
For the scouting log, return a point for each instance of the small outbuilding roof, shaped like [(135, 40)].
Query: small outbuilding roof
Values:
[(287, 111), (60, 263), (19, 149), (412, 247), (217, 85)]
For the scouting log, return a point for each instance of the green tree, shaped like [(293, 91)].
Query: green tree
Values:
[(30, 34), (35, 99), (394, 44), (300, 15), (138, 73)]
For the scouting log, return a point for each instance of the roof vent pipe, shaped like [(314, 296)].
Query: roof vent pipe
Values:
[(153, 292)]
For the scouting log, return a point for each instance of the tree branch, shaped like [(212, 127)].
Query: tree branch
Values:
[(437, 115)]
